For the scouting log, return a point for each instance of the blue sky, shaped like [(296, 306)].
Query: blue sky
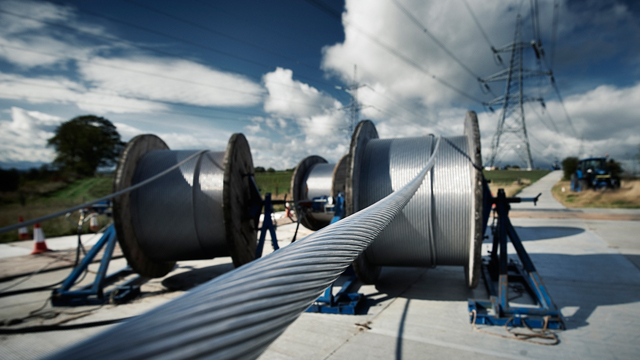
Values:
[(194, 72)]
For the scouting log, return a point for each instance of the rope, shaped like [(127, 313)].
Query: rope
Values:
[(237, 315), (543, 333), (108, 197)]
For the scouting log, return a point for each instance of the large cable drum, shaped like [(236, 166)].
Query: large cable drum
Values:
[(442, 223), (314, 177), (198, 211)]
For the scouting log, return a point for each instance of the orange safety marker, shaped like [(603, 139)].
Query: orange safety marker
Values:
[(39, 245)]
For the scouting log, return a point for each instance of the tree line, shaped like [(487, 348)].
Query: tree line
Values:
[(82, 145)]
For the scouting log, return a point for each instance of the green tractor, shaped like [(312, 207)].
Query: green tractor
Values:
[(594, 173)]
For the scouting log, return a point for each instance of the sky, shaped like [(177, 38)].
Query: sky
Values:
[(194, 72)]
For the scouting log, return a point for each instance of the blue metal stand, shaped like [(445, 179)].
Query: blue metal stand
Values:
[(94, 294), (343, 302), (267, 225), (497, 310)]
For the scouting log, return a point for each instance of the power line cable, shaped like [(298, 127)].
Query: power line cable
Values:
[(255, 25), (424, 29), (260, 95), (219, 33), (555, 87), (152, 49), (554, 33), (475, 19), (391, 100), (555, 128), (337, 16), (209, 118)]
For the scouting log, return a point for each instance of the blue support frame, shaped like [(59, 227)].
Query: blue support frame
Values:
[(267, 225), (343, 302), (93, 294), (497, 310)]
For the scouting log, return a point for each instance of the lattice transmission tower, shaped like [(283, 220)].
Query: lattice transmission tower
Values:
[(512, 118), (354, 106)]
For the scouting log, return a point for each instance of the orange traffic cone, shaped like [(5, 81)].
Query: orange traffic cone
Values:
[(93, 223), (23, 232), (39, 246)]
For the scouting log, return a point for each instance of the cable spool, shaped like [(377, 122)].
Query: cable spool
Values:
[(198, 211), (442, 224), (315, 177)]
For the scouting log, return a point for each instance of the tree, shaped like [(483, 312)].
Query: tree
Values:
[(569, 166), (270, 170), (85, 143), (259, 169), (615, 168)]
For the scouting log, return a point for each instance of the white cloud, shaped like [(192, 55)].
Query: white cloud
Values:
[(170, 80), (24, 138), (128, 82), (63, 91), (406, 101), (293, 99), (304, 121)]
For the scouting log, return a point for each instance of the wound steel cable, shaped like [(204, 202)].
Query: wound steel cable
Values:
[(108, 197), (237, 315)]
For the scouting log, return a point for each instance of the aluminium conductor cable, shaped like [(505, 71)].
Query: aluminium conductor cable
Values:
[(237, 315), (110, 196)]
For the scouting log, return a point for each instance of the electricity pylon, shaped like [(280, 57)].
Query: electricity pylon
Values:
[(512, 114), (354, 106)]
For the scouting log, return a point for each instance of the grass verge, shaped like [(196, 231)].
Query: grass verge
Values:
[(46, 198), (627, 196)]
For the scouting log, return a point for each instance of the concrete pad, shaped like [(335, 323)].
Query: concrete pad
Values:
[(416, 313)]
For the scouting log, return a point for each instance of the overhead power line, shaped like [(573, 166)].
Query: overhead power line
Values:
[(337, 16), (554, 33), (555, 87), (256, 94), (214, 117), (424, 29), (475, 19), (219, 33), (555, 128), (168, 36)]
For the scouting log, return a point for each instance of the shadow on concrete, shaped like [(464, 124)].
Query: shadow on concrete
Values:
[(578, 284), (401, 330), (532, 233), (582, 283), (192, 278)]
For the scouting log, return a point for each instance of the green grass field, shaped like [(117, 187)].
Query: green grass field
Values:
[(43, 199), (277, 183), (510, 176)]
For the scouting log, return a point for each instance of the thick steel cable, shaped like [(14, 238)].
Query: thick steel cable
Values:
[(435, 227), (237, 315), (108, 197), (319, 179), (193, 193)]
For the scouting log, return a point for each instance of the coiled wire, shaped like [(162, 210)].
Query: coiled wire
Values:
[(237, 315), (319, 179), (435, 226), (185, 205)]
